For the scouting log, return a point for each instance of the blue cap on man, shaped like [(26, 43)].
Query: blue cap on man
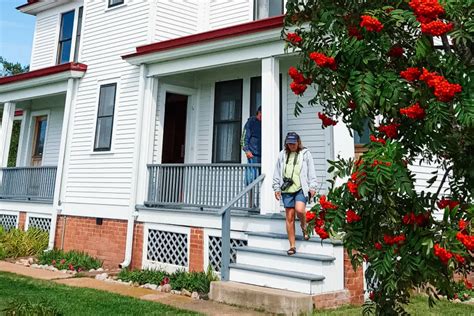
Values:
[(292, 138)]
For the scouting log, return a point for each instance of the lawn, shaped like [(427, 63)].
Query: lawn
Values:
[(418, 307), (77, 301)]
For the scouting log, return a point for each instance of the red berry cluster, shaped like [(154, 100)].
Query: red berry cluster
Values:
[(436, 28), (419, 219), (390, 130), (352, 217), (325, 204), (415, 112), (378, 246), (327, 121), (394, 240), (352, 105), (300, 83), (443, 254), (443, 203), (378, 163), (377, 140), (466, 240), (396, 51), (411, 74), (371, 24), (323, 61), (353, 31), (319, 224), (427, 13), (353, 183), (310, 216), (462, 224), (294, 38)]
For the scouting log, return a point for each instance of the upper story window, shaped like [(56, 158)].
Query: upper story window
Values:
[(113, 3), (65, 37), (267, 8), (78, 34), (105, 117)]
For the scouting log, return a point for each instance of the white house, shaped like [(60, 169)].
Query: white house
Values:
[(130, 121)]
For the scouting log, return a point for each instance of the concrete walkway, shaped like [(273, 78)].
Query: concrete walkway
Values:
[(204, 307)]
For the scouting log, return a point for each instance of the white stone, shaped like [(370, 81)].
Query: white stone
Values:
[(185, 292), (153, 286), (91, 270), (102, 276), (159, 288), (63, 271), (195, 296), (175, 292), (100, 270), (166, 288), (35, 266)]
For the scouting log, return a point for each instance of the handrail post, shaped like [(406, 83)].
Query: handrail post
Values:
[(225, 245)]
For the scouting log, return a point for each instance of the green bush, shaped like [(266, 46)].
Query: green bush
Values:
[(181, 279), (19, 243), (70, 260), (25, 307), (143, 276)]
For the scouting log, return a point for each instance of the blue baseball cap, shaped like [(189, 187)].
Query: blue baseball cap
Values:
[(292, 138)]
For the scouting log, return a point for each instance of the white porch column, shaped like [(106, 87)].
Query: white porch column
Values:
[(270, 131), (6, 132), (343, 145)]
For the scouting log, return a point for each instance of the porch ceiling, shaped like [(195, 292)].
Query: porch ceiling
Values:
[(237, 44), (40, 82), (35, 6)]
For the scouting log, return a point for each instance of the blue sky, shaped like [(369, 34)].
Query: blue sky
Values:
[(16, 32)]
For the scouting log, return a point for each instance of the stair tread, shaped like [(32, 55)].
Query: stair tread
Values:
[(301, 255), (298, 237), (291, 274)]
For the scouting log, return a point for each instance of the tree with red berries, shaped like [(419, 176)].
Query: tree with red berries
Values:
[(407, 68)]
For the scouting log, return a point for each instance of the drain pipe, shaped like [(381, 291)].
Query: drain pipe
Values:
[(138, 140), (129, 244), (52, 229)]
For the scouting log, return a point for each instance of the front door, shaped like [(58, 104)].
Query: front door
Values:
[(39, 138), (174, 136)]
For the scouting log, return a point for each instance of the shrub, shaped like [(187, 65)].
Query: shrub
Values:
[(181, 279), (142, 276), (25, 307), (19, 243), (70, 260)]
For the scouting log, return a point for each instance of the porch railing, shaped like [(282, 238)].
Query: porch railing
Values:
[(202, 185), (28, 183)]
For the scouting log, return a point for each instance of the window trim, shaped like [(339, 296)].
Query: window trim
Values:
[(214, 122), (115, 4), (255, 6), (59, 49), (78, 33), (109, 148)]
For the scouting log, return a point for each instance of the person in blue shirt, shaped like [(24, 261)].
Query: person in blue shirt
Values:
[(252, 144)]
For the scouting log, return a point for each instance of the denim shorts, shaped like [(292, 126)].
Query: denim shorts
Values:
[(289, 199)]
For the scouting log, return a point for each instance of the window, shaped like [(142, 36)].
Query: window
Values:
[(78, 35), (65, 37), (361, 139), (113, 3), (105, 117), (227, 121), (267, 8)]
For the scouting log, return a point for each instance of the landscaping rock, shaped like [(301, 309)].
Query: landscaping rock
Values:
[(195, 296), (153, 287), (31, 260), (166, 288), (63, 271), (185, 292), (204, 296), (35, 266), (135, 284), (175, 292), (159, 288), (102, 276), (100, 270), (91, 270)]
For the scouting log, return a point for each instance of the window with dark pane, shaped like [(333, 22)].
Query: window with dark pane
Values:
[(78, 34), (105, 117), (267, 8), (364, 137), (227, 121), (65, 37), (113, 3)]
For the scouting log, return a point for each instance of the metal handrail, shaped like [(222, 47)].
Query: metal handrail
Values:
[(224, 212)]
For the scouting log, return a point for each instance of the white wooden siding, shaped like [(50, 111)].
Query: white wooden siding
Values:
[(224, 13), (105, 179), (45, 40), (176, 18)]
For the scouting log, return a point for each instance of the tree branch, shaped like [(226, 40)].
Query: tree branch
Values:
[(435, 197), (446, 46)]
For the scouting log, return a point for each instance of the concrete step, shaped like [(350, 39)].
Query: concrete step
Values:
[(275, 278), (261, 298), (326, 266), (278, 241)]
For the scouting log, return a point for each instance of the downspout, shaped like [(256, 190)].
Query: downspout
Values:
[(133, 217), (62, 158)]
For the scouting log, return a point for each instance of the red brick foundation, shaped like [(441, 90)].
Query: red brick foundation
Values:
[(106, 241), (353, 281), (22, 220), (331, 300), (196, 256)]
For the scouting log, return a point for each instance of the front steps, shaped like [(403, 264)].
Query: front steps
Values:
[(316, 268), (270, 300)]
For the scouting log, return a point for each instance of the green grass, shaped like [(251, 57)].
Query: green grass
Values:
[(77, 301), (417, 307)]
